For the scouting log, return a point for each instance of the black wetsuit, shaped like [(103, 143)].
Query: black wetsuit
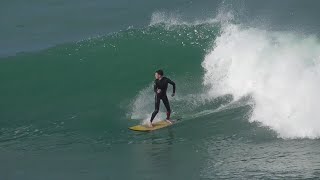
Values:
[(163, 86)]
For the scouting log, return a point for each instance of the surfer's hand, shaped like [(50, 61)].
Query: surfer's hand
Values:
[(158, 91), (172, 94)]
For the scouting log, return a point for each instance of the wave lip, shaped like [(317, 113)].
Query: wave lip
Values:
[(171, 19)]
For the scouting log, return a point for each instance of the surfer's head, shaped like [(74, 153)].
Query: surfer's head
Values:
[(158, 74)]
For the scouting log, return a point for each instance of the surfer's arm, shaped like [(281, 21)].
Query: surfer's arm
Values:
[(173, 85), (155, 87)]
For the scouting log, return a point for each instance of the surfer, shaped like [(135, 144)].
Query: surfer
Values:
[(160, 88)]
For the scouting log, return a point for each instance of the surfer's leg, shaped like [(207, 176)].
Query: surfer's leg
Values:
[(156, 108), (167, 105)]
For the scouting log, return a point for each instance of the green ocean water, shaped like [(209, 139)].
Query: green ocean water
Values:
[(66, 103)]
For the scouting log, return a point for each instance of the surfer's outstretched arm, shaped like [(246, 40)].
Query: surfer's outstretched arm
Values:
[(173, 85)]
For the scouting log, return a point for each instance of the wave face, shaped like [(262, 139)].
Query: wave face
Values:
[(74, 87)]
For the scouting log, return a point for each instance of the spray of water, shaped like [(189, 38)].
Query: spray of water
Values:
[(280, 70)]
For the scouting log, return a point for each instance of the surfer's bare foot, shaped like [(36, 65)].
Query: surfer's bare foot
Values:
[(168, 121), (150, 125)]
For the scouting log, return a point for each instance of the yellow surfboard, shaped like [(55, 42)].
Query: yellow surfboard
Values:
[(157, 125)]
